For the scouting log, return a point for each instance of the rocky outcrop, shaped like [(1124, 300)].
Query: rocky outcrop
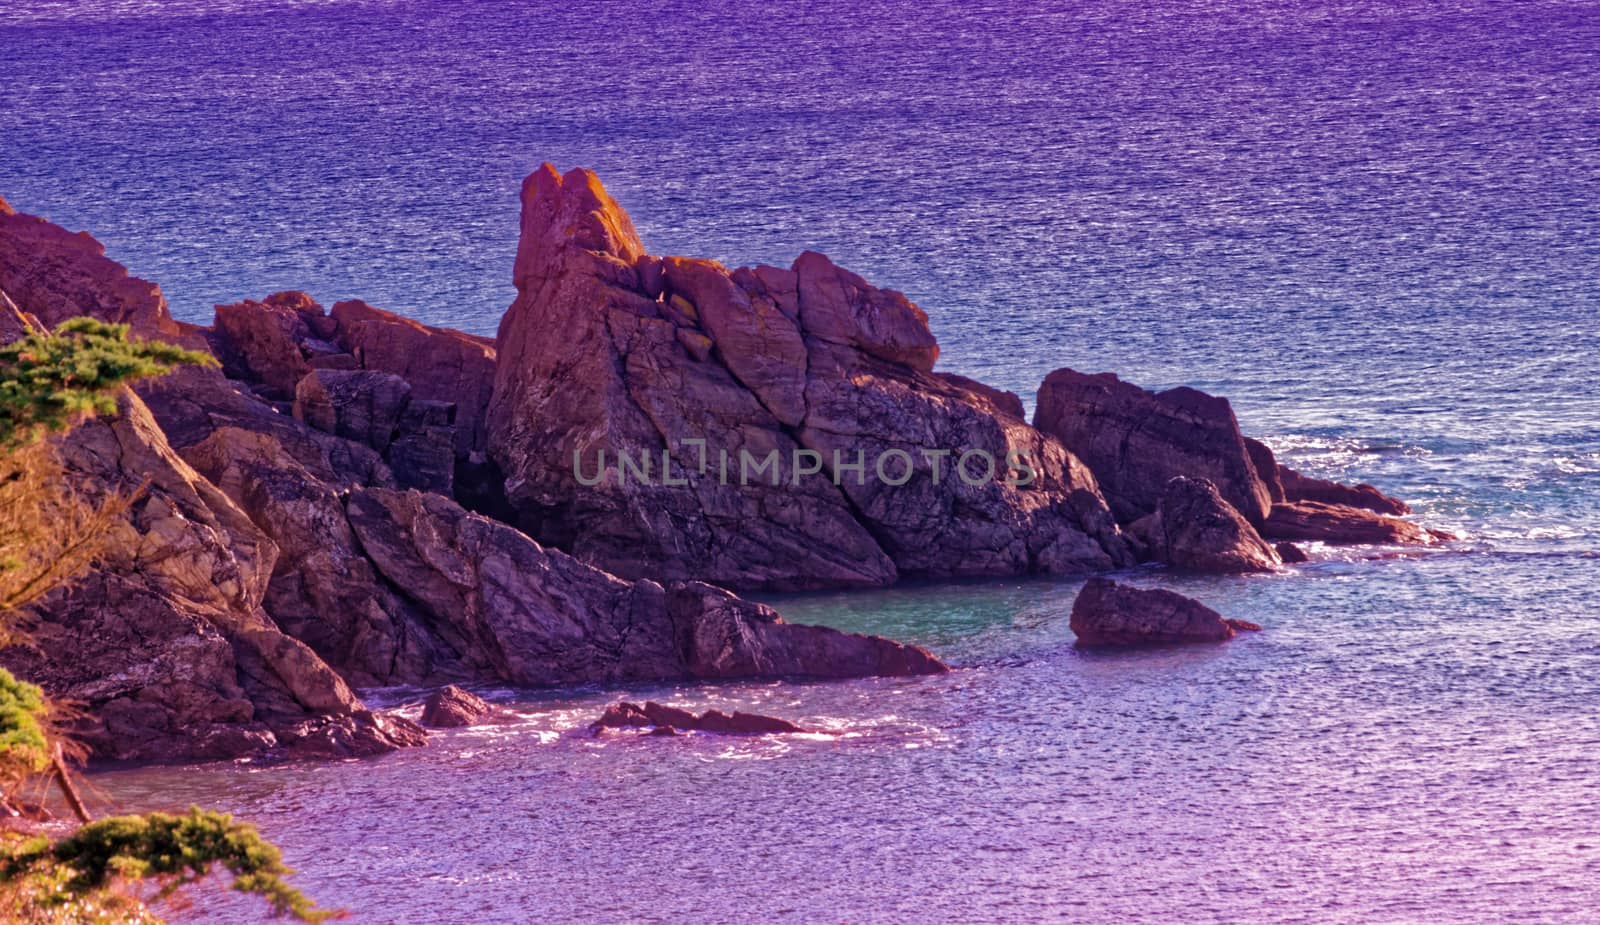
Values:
[(396, 587), (656, 421), (451, 707), (1137, 441), (440, 364), (416, 394), (53, 274), (652, 715), (527, 615), (610, 352), (167, 645), (1201, 532), (1336, 523), (1107, 614)]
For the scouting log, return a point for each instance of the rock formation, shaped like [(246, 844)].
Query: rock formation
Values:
[(278, 556), (451, 707), (53, 274), (653, 715), (609, 351), (1107, 614), (167, 644), (1201, 532), (359, 499), (1137, 441)]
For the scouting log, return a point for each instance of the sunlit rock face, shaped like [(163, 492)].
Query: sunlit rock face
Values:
[(609, 350), (166, 644), (54, 274)]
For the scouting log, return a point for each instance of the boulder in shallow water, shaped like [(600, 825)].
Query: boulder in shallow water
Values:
[(1108, 614), (658, 716), (1291, 554), (451, 707)]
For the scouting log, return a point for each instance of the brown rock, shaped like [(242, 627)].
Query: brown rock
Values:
[(423, 454), (739, 723), (1291, 554), (526, 615), (166, 645), (451, 707), (440, 364), (1298, 488), (839, 307), (1266, 464), (631, 715), (360, 405), (290, 481), (266, 341), (760, 345), (1107, 614), (722, 636), (416, 437), (1201, 532), (54, 275), (1136, 441), (1336, 523), (1285, 484), (599, 357), (1000, 400)]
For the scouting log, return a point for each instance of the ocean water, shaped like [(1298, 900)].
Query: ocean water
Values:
[(1371, 225)]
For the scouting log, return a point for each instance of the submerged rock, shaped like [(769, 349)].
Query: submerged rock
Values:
[(1291, 554), (610, 351), (1107, 614), (451, 707), (655, 716)]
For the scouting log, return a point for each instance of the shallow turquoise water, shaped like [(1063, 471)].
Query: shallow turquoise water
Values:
[(1372, 226)]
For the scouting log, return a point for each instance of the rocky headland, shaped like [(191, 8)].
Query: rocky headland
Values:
[(354, 499)]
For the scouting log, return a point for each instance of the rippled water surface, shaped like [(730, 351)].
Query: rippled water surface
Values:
[(1371, 225)]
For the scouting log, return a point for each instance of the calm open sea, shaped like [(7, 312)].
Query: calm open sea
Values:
[(1374, 225)]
